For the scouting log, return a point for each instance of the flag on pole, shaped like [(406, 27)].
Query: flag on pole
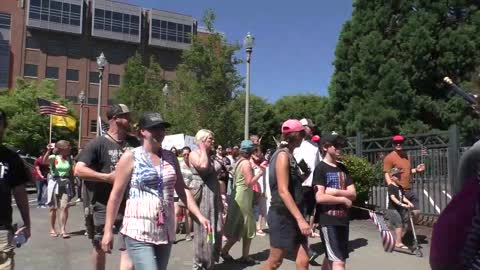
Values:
[(388, 240), (64, 121), (51, 107)]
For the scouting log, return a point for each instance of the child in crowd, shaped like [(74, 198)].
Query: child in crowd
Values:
[(335, 193), (397, 207)]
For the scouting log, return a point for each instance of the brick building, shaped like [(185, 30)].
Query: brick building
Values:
[(60, 40)]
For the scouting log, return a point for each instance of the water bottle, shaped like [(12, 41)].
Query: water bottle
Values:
[(18, 239)]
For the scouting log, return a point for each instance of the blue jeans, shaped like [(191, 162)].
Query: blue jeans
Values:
[(147, 256), (41, 192)]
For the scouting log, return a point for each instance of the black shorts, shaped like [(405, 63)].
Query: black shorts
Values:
[(335, 242), (98, 224), (284, 231), (309, 201), (398, 219), (412, 197)]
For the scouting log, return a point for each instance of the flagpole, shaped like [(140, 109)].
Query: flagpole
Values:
[(50, 135)]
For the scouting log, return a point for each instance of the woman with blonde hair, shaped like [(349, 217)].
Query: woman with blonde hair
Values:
[(205, 187), (60, 182)]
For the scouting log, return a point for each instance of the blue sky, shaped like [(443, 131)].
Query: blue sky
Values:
[(294, 41)]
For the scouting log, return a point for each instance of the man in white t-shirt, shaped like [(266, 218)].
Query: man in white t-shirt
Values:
[(308, 152)]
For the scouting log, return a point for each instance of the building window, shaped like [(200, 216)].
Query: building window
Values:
[(113, 79), (55, 46), (30, 70), (5, 20), (73, 99), (94, 77), (93, 126), (72, 75), (171, 31), (92, 100), (4, 63), (116, 22), (32, 43), (74, 48), (51, 73), (55, 12)]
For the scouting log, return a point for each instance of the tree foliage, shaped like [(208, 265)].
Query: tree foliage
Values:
[(27, 129), (390, 61)]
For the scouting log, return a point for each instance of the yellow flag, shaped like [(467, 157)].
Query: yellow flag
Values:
[(64, 121)]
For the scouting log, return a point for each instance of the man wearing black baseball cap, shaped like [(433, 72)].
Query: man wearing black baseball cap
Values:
[(96, 166)]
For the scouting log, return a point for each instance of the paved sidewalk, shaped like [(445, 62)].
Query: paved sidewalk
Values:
[(44, 252)]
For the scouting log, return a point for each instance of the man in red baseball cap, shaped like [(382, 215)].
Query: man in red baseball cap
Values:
[(399, 159)]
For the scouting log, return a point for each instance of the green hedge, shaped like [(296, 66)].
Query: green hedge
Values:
[(363, 175)]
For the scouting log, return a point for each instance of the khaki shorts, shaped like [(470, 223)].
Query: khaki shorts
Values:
[(6, 250), (61, 199)]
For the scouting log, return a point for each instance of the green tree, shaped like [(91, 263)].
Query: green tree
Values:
[(206, 82), (27, 129), (302, 106), (390, 61)]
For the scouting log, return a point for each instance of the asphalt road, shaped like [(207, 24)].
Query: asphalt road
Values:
[(45, 252)]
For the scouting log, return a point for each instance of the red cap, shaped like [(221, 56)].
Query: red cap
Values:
[(292, 125), (315, 138), (398, 138)]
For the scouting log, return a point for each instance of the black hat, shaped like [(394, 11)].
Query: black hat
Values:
[(333, 139), (152, 119), (117, 109)]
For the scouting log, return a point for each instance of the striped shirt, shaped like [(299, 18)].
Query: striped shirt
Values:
[(149, 214)]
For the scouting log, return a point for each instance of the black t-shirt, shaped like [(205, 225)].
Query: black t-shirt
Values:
[(399, 193), (102, 155), (12, 173), (332, 177)]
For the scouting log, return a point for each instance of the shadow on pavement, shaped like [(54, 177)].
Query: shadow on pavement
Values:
[(261, 256), (77, 233)]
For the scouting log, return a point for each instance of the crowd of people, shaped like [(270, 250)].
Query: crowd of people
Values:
[(135, 189)]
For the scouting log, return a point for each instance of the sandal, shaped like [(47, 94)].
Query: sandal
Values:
[(65, 235), (53, 234), (227, 257), (247, 261), (401, 246), (260, 233)]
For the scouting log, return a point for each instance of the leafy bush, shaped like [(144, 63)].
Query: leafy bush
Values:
[(363, 176)]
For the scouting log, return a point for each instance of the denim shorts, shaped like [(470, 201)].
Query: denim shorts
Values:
[(148, 256)]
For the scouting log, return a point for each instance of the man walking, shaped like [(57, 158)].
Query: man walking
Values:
[(96, 166), (308, 153), (13, 176)]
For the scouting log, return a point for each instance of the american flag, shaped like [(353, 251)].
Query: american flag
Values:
[(51, 107), (388, 240)]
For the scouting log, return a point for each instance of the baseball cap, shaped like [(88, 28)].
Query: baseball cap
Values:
[(307, 122), (152, 119), (333, 139), (247, 146), (117, 109), (398, 138), (395, 171), (292, 125), (315, 138)]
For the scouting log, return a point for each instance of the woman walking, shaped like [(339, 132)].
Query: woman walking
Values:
[(288, 228), (152, 174), (60, 184), (240, 222), (205, 186)]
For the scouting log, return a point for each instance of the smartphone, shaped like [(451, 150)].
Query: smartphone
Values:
[(304, 167)]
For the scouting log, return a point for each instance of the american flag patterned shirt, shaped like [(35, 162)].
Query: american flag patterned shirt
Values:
[(332, 177), (149, 214)]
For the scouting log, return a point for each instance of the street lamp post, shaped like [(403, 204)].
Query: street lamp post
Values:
[(101, 62), (81, 99), (248, 42)]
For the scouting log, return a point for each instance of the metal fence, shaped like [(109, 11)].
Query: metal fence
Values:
[(439, 151)]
